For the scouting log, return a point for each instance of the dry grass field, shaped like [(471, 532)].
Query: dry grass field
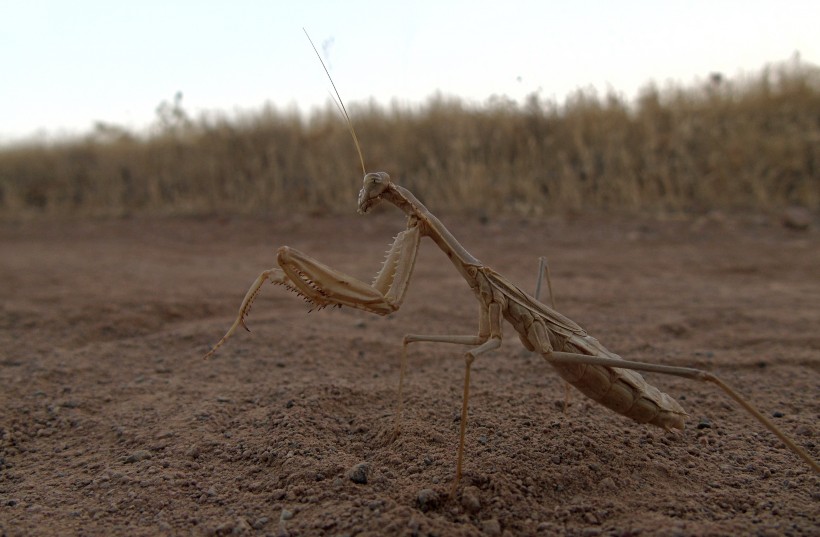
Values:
[(747, 144)]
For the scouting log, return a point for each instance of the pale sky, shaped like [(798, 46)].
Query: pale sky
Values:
[(66, 64)]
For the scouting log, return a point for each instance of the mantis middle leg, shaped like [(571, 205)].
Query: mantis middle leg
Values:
[(487, 339)]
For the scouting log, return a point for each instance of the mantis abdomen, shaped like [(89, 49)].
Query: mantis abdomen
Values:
[(621, 390)]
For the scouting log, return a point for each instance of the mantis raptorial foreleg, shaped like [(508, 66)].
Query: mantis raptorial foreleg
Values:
[(275, 275), (323, 286)]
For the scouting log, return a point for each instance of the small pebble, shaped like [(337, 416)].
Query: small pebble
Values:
[(704, 424), (358, 474), (777, 414)]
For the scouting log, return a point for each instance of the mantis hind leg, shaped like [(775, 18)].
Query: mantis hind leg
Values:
[(544, 273), (690, 373)]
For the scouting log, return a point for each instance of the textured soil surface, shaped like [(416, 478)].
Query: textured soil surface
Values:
[(111, 423)]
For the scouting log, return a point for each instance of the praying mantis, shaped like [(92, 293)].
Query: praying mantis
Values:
[(580, 359)]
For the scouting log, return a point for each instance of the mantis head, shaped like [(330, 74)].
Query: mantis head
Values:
[(375, 184)]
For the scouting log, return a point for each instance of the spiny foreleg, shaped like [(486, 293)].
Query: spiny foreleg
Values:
[(275, 275), (322, 286)]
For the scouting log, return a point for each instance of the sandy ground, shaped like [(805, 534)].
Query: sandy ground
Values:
[(112, 424)]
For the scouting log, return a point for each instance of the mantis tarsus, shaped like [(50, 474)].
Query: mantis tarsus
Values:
[(579, 358)]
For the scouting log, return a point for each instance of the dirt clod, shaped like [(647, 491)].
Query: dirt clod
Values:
[(491, 527), (470, 499), (428, 499)]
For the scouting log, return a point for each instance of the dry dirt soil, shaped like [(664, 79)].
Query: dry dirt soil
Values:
[(111, 423)]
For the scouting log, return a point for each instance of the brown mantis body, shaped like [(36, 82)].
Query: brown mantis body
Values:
[(579, 358)]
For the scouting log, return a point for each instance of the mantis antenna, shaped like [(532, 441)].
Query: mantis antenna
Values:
[(339, 104)]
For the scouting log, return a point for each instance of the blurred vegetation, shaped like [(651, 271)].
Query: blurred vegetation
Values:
[(746, 143)]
